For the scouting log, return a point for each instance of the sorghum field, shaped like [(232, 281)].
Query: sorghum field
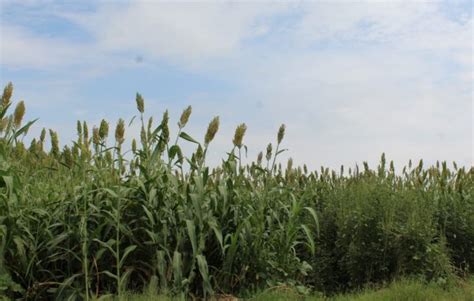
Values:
[(95, 218)]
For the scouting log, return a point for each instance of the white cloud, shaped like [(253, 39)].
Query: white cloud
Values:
[(19, 48), (189, 32), (350, 79)]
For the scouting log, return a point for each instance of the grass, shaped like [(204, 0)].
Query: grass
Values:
[(416, 292), (412, 290), (102, 216), (401, 290)]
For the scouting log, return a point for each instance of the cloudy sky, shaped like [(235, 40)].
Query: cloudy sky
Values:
[(349, 79)]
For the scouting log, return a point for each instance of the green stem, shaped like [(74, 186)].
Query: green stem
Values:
[(117, 249), (274, 158), (84, 248), (240, 159)]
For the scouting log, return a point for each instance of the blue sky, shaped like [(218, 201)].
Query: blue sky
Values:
[(349, 79)]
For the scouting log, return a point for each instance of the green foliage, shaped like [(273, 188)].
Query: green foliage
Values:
[(8, 287), (93, 219)]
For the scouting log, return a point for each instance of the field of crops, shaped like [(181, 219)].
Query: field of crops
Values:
[(94, 217)]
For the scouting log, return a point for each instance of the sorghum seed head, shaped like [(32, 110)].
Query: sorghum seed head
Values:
[(259, 158), (199, 153), (239, 135), (18, 114), (3, 124), (75, 151), (134, 145), (85, 132), (33, 146), (54, 142), (103, 129), (185, 117), (79, 129), (120, 131), (20, 149), (290, 164), (269, 152), (165, 131), (43, 135), (108, 157), (140, 103), (211, 130), (67, 154), (150, 124), (366, 166), (7, 94), (39, 147), (281, 133), (95, 135)]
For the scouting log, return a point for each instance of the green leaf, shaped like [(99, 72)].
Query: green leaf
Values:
[(313, 213), (192, 234), (187, 137), (107, 245), (24, 129), (124, 277), (131, 120), (111, 192), (177, 269), (113, 276), (127, 251), (309, 238), (175, 149), (204, 271), (218, 234)]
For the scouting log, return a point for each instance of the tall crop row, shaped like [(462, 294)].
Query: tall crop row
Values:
[(95, 218)]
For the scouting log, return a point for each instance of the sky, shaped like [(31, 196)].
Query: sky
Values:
[(350, 80)]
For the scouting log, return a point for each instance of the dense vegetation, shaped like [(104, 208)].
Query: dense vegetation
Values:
[(94, 218)]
